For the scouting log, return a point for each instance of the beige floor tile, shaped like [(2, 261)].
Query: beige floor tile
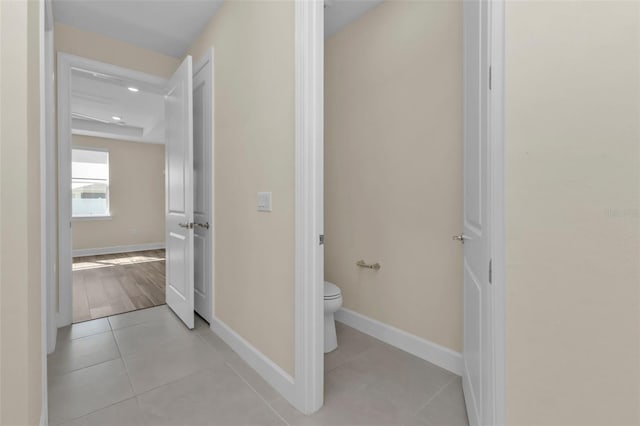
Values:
[(350, 409), (83, 329), (83, 352), (212, 397), (254, 380), (199, 324), (191, 377), (125, 413), (346, 378), (142, 316), (84, 391), (351, 343), (179, 358), (408, 380), (218, 344), (150, 336), (447, 408)]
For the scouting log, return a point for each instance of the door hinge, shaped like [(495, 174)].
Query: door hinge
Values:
[(490, 78), (321, 239), (490, 271)]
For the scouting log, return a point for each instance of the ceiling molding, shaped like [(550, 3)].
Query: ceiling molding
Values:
[(99, 126), (115, 136)]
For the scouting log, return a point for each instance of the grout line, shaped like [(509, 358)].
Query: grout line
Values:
[(58, 349), (139, 323), (144, 415), (434, 396), (257, 393), (350, 358), (124, 364), (198, 371), (210, 345), (83, 368), (58, 376), (74, 339), (170, 382), (133, 395), (99, 409), (375, 345)]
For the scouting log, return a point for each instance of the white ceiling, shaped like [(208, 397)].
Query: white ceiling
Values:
[(165, 26), (340, 13), (96, 98), (170, 26)]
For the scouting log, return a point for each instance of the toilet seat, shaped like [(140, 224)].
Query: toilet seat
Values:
[(331, 291)]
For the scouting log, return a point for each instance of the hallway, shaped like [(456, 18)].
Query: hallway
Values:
[(122, 370)]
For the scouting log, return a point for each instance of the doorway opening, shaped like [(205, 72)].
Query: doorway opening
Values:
[(116, 181), (412, 158), (114, 206)]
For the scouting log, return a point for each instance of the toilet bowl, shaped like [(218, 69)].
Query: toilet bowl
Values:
[(332, 302)]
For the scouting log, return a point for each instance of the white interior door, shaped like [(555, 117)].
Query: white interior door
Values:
[(179, 192), (478, 339), (203, 185)]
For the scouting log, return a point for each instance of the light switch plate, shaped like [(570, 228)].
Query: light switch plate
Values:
[(264, 201)]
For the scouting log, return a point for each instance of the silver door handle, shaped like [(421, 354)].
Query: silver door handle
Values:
[(188, 225), (460, 238), (203, 225)]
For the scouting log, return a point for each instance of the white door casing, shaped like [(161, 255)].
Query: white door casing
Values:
[(203, 185), (179, 192), (478, 374)]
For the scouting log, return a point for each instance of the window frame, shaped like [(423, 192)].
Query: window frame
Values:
[(108, 215)]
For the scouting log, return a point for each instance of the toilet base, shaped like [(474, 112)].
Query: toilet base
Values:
[(330, 338)]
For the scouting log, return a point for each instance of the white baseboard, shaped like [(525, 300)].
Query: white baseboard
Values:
[(117, 249), (279, 379), (429, 351)]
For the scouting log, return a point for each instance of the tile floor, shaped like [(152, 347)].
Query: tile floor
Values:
[(121, 371)]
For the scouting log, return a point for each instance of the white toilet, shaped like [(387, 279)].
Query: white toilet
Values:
[(332, 302)]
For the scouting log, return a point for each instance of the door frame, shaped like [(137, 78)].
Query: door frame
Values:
[(309, 261), (47, 185), (309, 205), (66, 62), (497, 188)]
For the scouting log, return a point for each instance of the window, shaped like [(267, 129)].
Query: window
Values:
[(89, 183)]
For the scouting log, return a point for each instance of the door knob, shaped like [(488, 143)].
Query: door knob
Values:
[(188, 225), (203, 225), (460, 238)]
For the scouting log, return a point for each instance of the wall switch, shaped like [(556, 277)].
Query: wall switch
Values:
[(264, 201)]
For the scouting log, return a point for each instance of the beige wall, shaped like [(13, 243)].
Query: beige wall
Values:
[(254, 151), (393, 166), (20, 317), (573, 213), (136, 196), (100, 48)]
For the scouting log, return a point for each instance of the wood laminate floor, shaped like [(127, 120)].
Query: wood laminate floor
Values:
[(111, 284)]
